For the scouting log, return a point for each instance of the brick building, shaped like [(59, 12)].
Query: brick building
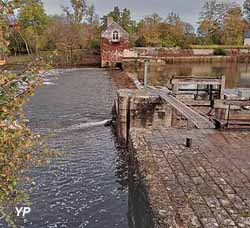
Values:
[(114, 40)]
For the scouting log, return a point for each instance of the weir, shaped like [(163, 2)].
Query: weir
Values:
[(187, 167)]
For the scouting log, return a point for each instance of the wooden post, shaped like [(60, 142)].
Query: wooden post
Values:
[(222, 87), (210, 92), (175, 89), (145, 74)]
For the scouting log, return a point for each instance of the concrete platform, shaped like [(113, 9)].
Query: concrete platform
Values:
[(206, 185)]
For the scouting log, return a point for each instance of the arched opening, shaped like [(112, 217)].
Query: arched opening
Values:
[(115, 36)]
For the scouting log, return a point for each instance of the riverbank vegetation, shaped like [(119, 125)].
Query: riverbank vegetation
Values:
[(20, 149), (69, 37)]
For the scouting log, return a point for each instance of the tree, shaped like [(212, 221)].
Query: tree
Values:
[(115, 14), (176, 29), (77, 12), (153, 19), (5, 10), (211, 21), (92, 17), (246, 7), (33, 22), (92, 29), (123, 18), (210, 32), (233, 27), (189, 36), (187, 28), (153, 31), (149, 31), (126, 21)]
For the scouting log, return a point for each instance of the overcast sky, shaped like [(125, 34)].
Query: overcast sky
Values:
[(187, 9)]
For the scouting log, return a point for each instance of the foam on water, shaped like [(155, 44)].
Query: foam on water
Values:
[(48, 83), (82, 126)]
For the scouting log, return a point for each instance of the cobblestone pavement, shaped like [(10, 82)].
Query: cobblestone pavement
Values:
[(207, 185)]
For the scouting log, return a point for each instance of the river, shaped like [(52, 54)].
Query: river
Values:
[(237, 74), (86, 185), (82, 187)]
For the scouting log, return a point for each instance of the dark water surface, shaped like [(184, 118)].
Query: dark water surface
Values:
[(80, 188), (237, 74)]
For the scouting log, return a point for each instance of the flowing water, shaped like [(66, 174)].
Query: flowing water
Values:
[(82, 187), (237, 75), (86, 185)]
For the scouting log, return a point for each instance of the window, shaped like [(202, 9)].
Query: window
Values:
[(115, 37)]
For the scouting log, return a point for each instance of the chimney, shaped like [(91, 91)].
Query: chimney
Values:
[(110, 20)]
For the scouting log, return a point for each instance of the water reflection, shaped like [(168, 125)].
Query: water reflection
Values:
[(237, 75)]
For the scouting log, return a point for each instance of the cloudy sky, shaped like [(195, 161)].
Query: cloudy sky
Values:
[(187, 9)]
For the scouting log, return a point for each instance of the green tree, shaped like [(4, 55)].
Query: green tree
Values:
[(116, 14), (123, 18), (126, 21), (33, 22)]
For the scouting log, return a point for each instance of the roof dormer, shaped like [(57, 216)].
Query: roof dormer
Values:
[(115, 36)]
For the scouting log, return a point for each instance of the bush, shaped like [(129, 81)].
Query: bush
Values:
[(219, 51), (95, 44)]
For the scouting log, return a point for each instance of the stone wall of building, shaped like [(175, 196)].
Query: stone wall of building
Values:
[(112, 53), (112, 50)]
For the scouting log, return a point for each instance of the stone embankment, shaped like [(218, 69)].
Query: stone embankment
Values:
[(181, 176)]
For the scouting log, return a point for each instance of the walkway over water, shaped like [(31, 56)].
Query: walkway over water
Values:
[(193, 117), (198, 120)]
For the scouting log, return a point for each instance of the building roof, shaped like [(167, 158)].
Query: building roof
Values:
[(114, 26)]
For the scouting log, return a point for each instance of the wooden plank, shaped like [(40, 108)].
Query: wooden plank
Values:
[(197, 77), (196, 102), (241, 116), (197, 119), (196, 81), (222, 88), (223, 103)]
